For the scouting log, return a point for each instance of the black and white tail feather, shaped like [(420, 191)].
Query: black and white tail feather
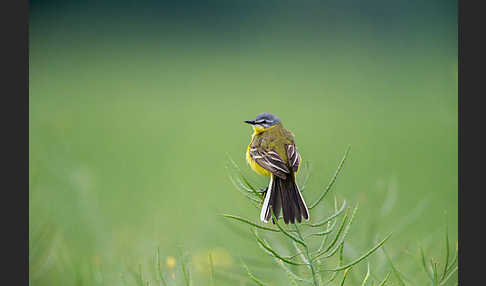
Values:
[(284, 195)]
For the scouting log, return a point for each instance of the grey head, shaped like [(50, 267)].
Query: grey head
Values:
[(264, 119)]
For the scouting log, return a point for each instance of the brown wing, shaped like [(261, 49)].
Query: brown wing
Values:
[(270, 161), (294, 157)]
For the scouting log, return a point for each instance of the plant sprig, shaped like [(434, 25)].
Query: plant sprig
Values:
[(302, 240)]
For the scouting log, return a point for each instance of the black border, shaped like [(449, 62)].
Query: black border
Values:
[(471, 125), (14, 44)]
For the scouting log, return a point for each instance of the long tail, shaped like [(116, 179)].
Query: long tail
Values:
[(284, 194)]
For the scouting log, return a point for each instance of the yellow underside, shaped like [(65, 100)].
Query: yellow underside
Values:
[(254, 165)]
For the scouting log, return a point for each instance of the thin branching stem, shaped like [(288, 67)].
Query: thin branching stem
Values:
[(252, 277), (264, 245), (346, 272), (386, 279), (333, 179), (299, 240), (368, 253), (333, 216), (367, 276), (315, 277), (250, 223)]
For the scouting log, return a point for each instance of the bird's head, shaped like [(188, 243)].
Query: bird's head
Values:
[(263, 121)]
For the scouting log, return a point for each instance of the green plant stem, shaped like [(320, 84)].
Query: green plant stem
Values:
[(333, 179), (250, 223), (315, 278)]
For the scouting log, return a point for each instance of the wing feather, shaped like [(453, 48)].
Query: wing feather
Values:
[(270, 161), (293, 156)]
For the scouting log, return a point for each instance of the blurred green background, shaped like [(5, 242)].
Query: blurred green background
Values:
[(134, 106)]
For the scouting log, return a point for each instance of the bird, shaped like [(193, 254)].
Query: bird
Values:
[(272, 153)]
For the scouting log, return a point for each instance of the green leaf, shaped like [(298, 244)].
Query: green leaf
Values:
[(322, 233), (244, 181), (448, 276), (395, 271), (345, 275), (185, 270), (435, 273), (446, 264), (384, 280), (330, 217), (333, 179), (344, 233), (292, 276), (252, 277), (367, 276), (296, 239), (424, 264), (250, 223), (262, 244), (246, 194), (341, 228), (368, 253)]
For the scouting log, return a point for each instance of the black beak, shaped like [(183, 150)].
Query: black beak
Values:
[(252, 122)]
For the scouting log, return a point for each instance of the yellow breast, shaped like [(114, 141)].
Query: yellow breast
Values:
[(254, 165)]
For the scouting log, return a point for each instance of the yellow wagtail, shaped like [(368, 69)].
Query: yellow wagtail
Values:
[(272, 152)]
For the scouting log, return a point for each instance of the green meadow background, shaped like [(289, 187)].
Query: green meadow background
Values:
[(134, 107)]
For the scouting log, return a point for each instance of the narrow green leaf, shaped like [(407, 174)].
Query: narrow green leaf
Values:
[(246, 194), (341, 252), (302, 254), (292, 276), (446, 263), (395, 271), (453, 262), (367, 276), (333, 179), (368, 253), (298, 240), (340, 263), (322, 233), (240, 174), (344, 233), (384, 280), (326, 237), (448, 276), (345, 275), (262, 244), (252, 277), (334, 215), (250, 223), (295, 255), (435, 273), (185, 270), (341, 228), (424, 264)]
